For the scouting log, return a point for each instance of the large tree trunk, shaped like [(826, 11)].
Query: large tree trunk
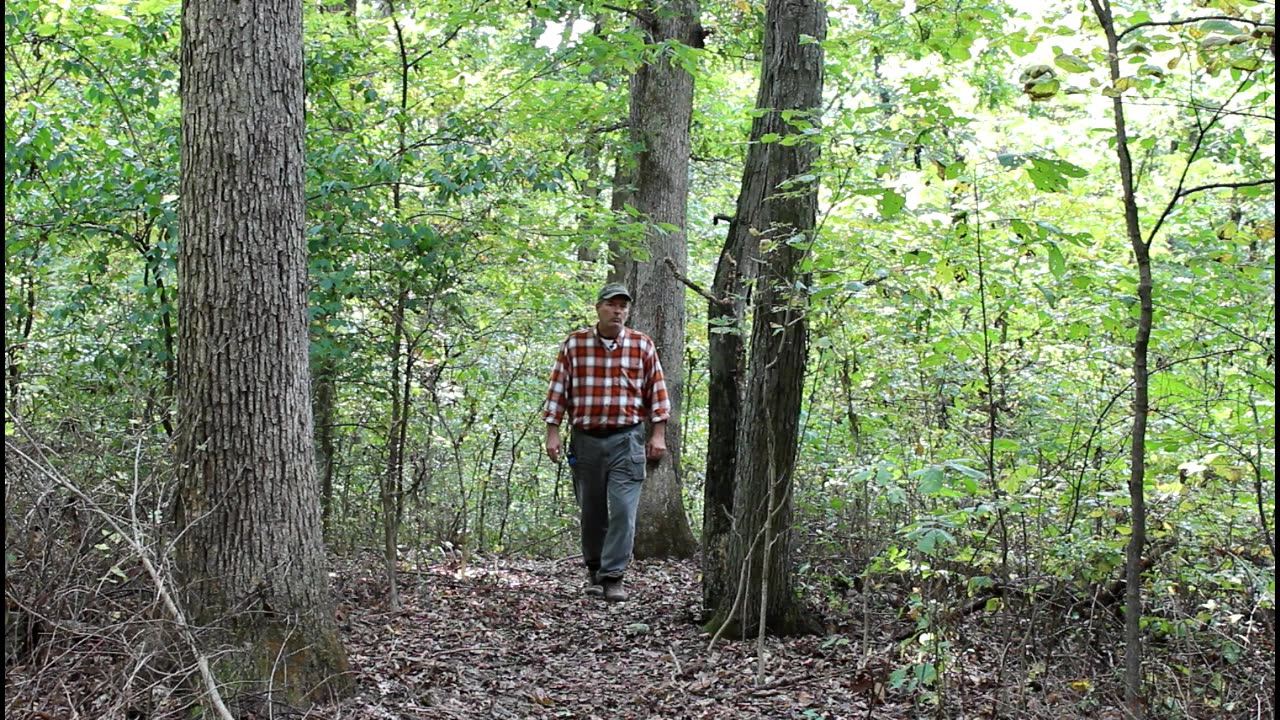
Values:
[(759, 568), (726, 316), (661, 106), (250, 553)]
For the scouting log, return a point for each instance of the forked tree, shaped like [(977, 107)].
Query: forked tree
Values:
[(777, 207)]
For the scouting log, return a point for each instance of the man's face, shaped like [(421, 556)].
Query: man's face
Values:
[(613, 313)]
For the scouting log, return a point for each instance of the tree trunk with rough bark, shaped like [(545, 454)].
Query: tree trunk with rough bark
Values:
[(778, 205), (726, 367), (661, 107), (249, 553)]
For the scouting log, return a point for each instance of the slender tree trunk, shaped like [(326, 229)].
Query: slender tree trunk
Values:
[(326, 411), (588, 249), (593, 163), (622, 196), (14, 372), (778, 204), (661, 106), (249, 551), (1141, 401), (393, 473)]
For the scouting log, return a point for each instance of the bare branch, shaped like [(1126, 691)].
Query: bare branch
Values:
[(1223, 186), (694, 286), (162, 589)]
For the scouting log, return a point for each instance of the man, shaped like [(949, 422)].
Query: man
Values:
[(608, 378)]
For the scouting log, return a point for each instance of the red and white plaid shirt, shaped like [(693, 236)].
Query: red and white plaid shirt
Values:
[(603, 388)]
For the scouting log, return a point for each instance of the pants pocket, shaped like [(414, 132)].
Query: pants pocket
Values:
[(637, 455)]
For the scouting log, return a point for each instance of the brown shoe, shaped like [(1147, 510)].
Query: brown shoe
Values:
[(614, 591), (594, 588)]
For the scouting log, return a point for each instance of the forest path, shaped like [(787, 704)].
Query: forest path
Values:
[(508, 638)]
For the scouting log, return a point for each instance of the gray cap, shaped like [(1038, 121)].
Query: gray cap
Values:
[(612, 290)]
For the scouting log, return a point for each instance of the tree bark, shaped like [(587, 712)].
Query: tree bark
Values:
[(249, 550), (726, 367), (661, 108), (778, 205)]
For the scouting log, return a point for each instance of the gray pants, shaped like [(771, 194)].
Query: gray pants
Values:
[(607, 475)]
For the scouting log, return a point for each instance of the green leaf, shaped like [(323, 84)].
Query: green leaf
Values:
[(966, 470), (1023, 230), (1070, 63), (1022, 48), (123, 43), (1118, 87), (931, 479), (1057, 263), (1042, 90), (1006, 445), (890, 204), (1011, 160), (1051, 175), (1225, 27)]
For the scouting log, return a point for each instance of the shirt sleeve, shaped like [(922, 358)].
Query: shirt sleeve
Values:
[(656, 399), (553, 408)]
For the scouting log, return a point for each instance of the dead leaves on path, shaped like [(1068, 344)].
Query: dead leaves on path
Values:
[(519, 639)]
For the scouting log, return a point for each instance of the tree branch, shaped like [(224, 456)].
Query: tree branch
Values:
[(1220, 186), (694, 286), (1189, 21), (642, 15)]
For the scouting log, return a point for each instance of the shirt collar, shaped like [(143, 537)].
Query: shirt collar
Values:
[(622, 336)]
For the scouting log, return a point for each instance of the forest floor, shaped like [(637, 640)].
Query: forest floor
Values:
[(520, 639), (502, 638)]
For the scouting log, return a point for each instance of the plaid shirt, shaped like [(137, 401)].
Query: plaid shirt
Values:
[(604, 388)]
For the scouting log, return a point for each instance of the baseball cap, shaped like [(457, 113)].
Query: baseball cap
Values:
[(612, 290)]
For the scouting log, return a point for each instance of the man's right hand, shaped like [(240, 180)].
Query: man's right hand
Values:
[(553, 442)]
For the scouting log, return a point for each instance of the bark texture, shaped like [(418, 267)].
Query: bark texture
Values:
[(250, 554), (780, 208), (661, 108)]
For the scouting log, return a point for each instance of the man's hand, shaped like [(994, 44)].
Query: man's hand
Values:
[(553, 442), (657, 445)]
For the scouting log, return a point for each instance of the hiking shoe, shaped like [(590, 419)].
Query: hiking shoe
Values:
[(594, 588), (614, 591)]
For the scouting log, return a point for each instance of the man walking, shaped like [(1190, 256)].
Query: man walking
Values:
[(608, 378)]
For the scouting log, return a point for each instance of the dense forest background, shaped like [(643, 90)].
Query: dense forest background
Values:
[(969, 448)]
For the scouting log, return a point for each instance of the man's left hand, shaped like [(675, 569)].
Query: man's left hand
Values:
[(655, 448)]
